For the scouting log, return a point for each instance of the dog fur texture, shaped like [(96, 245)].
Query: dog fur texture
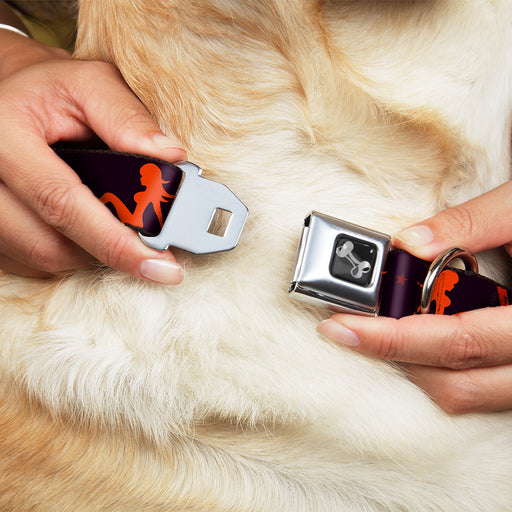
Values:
[(217, 394)]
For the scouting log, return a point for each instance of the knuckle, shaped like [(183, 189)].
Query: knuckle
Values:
[(43, 257), (116, 250), (465, 349), (386, 349), (78, 82), (54, 204), (461, 220), (460, 394), (97, 68), (133, 117), (390, 344)]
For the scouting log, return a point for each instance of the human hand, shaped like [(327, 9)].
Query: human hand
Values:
[(51, 222), (464, 361)]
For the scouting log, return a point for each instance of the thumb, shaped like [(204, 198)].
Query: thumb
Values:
[(479, 224), (119, 118)]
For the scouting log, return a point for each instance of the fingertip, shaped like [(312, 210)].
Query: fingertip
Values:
[(378, 336), (135, 258), (161, 271), (422, 241), (170, 150), (154, 145), (339, 333), (415, 238)]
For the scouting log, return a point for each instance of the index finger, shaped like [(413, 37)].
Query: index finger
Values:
[(478, 224), (472, 339), (52, 189)]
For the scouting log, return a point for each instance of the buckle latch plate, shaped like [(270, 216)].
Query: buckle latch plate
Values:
[(188, 222)]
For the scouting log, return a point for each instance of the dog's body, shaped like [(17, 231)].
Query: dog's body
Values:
[(218, 394)]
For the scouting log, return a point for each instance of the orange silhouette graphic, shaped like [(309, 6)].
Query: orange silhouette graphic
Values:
[(153, 194), (444, 283)]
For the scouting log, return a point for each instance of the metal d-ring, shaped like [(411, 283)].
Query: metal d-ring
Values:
[(437, 266)]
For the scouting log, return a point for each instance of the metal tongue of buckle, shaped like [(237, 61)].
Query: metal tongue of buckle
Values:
[(188, 224)]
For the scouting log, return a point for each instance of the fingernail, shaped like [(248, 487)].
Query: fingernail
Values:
[(164, 143), (338, 333), (161, 271), (416, 236)]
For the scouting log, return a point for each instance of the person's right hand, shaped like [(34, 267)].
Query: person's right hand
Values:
[(462, 361), (51, 222)]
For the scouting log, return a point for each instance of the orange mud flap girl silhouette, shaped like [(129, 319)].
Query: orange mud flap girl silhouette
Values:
[(154, 194)]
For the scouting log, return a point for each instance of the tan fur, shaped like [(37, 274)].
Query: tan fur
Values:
[(217, 394)]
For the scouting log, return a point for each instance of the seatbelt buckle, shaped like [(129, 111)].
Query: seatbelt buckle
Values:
[(189, 222), (351, 269), (339, 265)]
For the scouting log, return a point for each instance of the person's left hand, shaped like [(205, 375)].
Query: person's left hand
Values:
[(51, 222), (463, 361)]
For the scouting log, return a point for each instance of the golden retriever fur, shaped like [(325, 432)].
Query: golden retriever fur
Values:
[(217, 394)]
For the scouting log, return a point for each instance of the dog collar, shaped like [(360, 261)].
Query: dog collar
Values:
[(352, 269), (168, 204)]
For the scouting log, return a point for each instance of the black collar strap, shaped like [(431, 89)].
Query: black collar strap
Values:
[(340, 265), (352, 269), (168, 204)]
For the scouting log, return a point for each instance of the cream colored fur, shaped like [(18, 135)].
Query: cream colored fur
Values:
[(218, 395)]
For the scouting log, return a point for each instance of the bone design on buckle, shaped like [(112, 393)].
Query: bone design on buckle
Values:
[(353, 260), (351, 269)]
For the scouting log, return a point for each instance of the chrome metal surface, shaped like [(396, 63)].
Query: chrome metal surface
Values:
[(187, 224), (313, 279)]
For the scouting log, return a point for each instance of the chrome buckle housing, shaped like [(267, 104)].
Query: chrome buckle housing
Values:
[(188, 222), (339, 265)]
